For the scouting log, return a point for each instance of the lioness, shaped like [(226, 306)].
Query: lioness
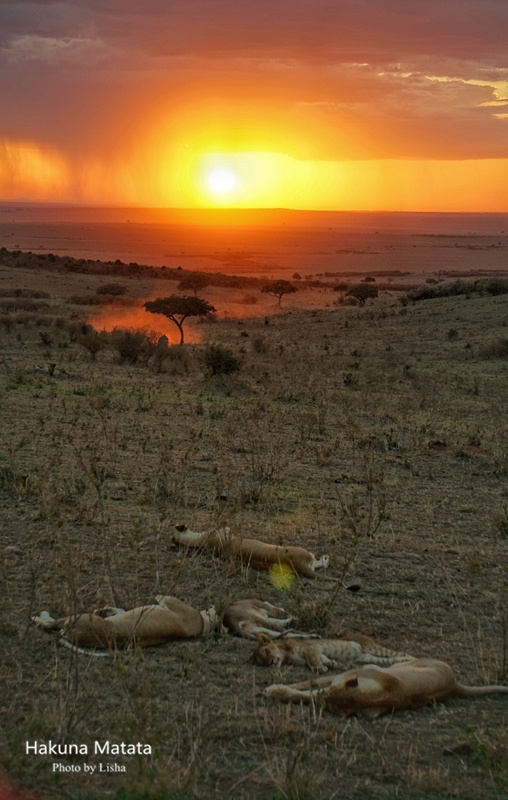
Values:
[(320, 654), (371, 691), (145, 626), (256, 554)]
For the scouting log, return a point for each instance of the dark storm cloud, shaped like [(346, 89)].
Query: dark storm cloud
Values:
[(301, 29)]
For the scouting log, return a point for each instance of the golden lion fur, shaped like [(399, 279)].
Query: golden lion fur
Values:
[(321, 654), (252, 552), (371, 691), (145, 626), (252, 618)]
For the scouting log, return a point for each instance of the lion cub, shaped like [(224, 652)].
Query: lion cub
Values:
[(252, 618), (320, 654)]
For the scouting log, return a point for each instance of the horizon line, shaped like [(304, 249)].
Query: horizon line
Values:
[(231, 209)]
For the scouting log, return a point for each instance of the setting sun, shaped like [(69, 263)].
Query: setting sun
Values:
[(221, 179), (362, 112)]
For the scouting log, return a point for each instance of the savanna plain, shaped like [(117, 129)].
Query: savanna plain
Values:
[(374, 433)]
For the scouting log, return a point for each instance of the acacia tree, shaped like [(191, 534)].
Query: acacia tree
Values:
[(194, 282), (362, 291), (178, 307), (279, 289)]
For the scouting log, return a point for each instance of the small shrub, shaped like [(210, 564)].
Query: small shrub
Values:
[(348, 300), (91, 340), (111, 289), (501, 523), (172, 360), (259, 344), (46, 339), (452, 334), (349, 379), (497, 348), (7, 321), (219, 360), (133, 345), (12, 481), (84, 300)]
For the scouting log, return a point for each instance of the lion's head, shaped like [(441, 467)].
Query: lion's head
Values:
[(267, 652)]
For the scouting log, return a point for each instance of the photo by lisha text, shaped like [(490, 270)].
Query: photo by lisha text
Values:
[(88, 768)]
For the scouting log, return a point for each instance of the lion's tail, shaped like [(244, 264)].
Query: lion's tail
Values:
[(83, 652), (476, 691)]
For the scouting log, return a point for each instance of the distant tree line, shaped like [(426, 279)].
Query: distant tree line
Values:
[(120, 269), (492, 286)]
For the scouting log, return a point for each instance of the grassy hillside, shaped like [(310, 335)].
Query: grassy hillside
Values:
[(377, 435)]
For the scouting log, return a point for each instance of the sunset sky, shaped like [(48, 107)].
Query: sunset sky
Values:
[(317, 104)]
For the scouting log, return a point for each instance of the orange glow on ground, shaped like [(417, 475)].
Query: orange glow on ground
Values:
[(138, 319)]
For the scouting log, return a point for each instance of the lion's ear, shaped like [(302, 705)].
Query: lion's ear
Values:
[(351, 683)]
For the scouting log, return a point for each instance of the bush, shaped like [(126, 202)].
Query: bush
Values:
[(90, 339), (84, 300), (219, 360), (111, 289), (259, 344), (498, 348), (346, 300), (22, 304), (493, 286), (450, 289), (133, 345), (172, 360), (34, 294)]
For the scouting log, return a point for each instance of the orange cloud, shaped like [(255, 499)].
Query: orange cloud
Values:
[(123, 103)]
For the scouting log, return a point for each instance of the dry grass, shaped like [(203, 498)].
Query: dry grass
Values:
[(368, 434)]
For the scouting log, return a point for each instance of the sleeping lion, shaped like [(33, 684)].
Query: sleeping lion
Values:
[(251, 618), (371, 691), (252, 552), (321, 654), (144, 626)]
